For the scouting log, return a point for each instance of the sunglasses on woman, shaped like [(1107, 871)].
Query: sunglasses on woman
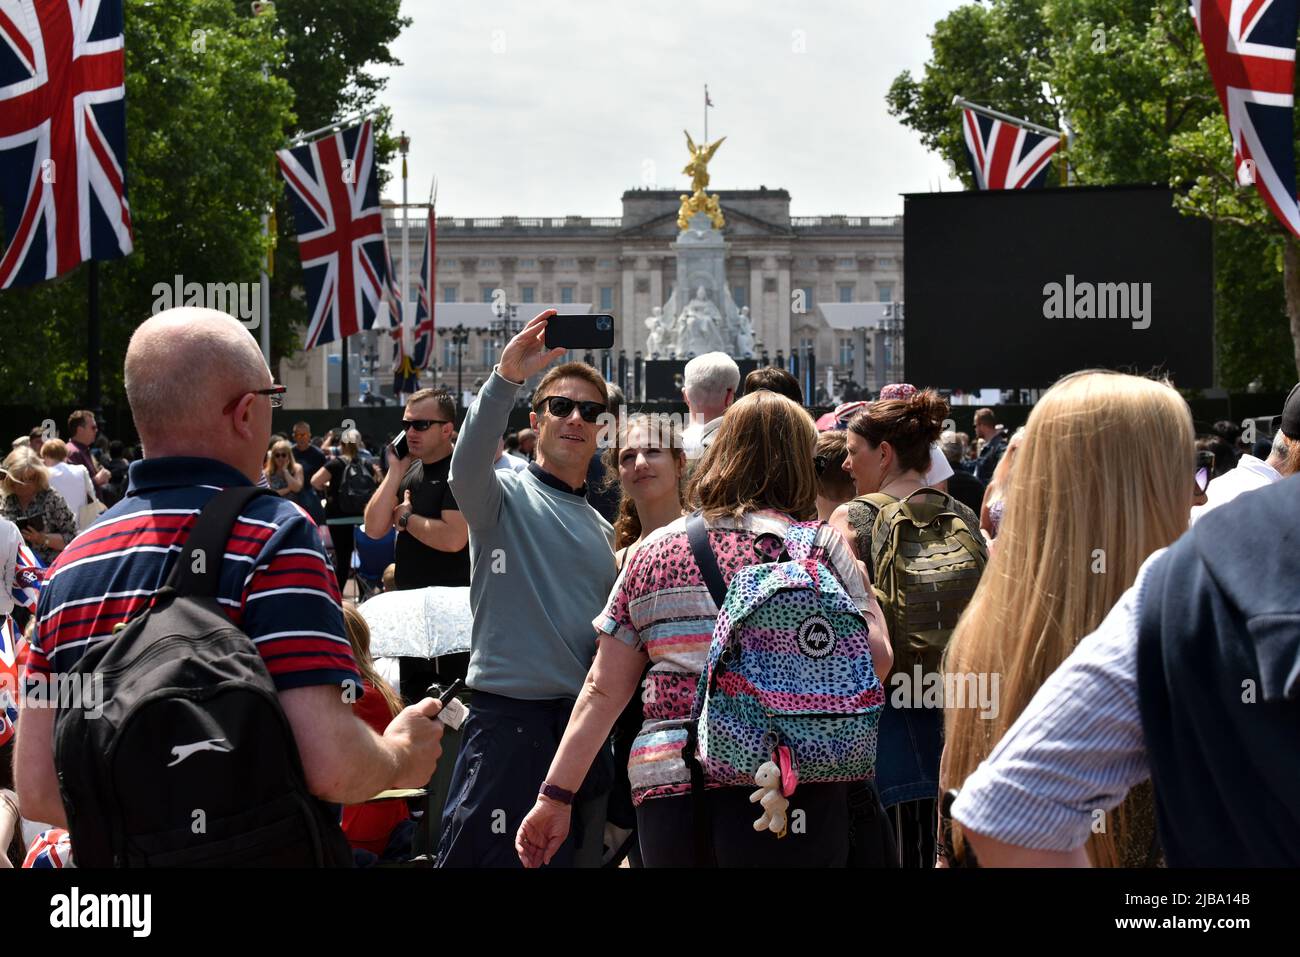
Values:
[(1204, 470), (562, 407)]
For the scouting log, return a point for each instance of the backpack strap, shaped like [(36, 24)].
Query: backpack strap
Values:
[(209, 536), (697, 535)]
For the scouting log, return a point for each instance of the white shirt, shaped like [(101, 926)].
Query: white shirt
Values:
[(10, 539), (940, 469), (1249, 475), (72, 482)]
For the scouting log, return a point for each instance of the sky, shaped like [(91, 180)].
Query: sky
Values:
[(555, 107)]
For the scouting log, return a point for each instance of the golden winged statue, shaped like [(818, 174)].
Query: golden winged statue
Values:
[(698, 170)]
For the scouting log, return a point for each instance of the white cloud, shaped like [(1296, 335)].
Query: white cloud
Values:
[(555, 108)]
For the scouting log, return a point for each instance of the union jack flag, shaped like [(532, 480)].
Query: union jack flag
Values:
[(391, 317), (1250, 50), (28, 575), (12, 658), (50, 849), (1006, 156), (335, 189), (62, 137), (423, 351)]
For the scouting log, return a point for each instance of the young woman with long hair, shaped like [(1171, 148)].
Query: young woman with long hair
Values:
[(648, 462), (283, 473), (1103, 479), (754, 481)]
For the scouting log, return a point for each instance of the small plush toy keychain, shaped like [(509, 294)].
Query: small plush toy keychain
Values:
[(776, 780)]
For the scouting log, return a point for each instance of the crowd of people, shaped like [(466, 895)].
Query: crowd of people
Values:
[(754, 638)]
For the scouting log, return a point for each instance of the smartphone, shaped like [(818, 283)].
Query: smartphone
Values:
[(453, 713), (35, 522), (400, 448), (453, 690), (580, 332)]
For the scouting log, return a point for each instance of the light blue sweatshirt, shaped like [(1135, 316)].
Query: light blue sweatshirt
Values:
[(541, 565)]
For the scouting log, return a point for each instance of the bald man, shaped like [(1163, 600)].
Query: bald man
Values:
[(201, 396)]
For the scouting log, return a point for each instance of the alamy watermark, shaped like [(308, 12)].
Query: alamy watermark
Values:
[(921, 689), (64, 690), (1098, 300), (243, 300)]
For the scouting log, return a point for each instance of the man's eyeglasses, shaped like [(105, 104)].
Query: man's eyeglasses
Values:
[(275, 393), (1204, 470), (562, 407), (423, 425)]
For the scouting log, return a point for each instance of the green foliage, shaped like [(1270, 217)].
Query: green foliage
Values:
[(996, 56), (203, 124), (1130, 76)]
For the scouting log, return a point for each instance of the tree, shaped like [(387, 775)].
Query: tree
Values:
[(203, 125), (201, 122), (329, 45), (1130, 75)]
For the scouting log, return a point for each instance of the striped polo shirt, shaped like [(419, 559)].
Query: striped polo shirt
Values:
[(275, 583)]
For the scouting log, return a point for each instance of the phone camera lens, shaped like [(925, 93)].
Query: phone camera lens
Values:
[(604, 324)]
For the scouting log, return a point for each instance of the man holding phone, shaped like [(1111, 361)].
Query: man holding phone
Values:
[(542, 568), (416, 499)]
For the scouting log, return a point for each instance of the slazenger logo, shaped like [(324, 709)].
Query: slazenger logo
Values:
[(816, 637), (183, 751), (103, 910)]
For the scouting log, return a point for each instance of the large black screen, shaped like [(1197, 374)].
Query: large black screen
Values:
[(1015, 288)]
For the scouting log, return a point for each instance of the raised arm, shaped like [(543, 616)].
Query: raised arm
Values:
[(473, 479)]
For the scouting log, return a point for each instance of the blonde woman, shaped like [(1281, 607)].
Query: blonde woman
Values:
[(995, 496), (40, 512), (1103, 480), (283, 474)]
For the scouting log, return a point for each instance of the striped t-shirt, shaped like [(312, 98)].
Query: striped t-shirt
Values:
[(275, 584), (660, 605)]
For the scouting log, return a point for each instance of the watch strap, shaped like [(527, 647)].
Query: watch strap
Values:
[(556, 793)]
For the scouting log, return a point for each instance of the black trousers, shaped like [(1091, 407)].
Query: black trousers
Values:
[(342, 537), (505, 752), (819, 837)]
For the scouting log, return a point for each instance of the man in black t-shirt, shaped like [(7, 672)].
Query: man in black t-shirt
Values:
[(312, 461), (432, 537)]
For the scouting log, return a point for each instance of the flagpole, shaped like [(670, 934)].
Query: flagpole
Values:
[(93, 394), (1019, 121), (332, 127), (404, 144)]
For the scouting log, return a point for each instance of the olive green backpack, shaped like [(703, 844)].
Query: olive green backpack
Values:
[(926, 557)]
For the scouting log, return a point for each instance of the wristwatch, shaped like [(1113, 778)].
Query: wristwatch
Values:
[(556, 793), (402, 522)]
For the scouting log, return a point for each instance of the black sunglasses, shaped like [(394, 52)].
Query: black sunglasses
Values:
[(562, 407), (423, 425)]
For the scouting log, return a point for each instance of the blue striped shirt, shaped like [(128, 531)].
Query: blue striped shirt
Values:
[(1077, 747)]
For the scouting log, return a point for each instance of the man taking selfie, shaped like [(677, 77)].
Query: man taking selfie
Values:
[(542, 569)]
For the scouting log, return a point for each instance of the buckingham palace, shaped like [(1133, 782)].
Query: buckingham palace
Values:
[(821, 291)]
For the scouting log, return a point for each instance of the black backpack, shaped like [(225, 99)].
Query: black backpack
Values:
[(192, 762), (356, 488)]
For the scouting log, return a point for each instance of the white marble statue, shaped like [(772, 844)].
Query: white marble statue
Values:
[(699, 327), (745, 335), (659, 340)]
